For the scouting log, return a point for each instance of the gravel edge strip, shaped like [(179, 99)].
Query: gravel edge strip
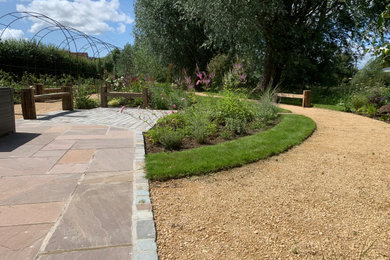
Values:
[(144, 231)]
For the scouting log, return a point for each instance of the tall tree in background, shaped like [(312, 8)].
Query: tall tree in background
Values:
[(289, 40), (174, 36)]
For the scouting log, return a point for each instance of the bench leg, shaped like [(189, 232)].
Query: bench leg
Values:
[(306, 101)]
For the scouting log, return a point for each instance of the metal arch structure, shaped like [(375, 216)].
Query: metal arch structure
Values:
[(71, 36)]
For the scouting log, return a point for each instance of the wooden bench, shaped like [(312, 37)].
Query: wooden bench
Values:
[(104, 94), (28, 100), (306, 97)]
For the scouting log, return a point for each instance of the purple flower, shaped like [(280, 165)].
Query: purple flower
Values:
[(174, 106)]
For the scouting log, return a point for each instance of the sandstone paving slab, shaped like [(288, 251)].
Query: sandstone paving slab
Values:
[(32, 128), (52, 153), (22, 242), (69, 168), (16, 140), (37, 189), (59, 145), (90, 127), (77, 156), (25, 166), (87, 131), (112, 160), (43, 139), (98, 216), (22, 151), (30, 213), (119, 253), (108, 177), (103, 143), (58, 129)]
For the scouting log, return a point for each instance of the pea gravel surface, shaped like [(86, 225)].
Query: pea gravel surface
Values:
[(328, 198)]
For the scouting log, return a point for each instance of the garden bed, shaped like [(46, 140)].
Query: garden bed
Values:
[(292, 130), (190, 143)]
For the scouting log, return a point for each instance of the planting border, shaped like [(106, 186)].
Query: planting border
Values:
[(292, 130)]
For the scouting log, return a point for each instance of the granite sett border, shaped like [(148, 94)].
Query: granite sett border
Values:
[(144, 231)]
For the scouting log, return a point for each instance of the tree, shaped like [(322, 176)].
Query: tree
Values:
[(174, 36), (382, 48), (285, 40)]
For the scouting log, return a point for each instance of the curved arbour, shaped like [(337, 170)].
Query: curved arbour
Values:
[(70, 39), (70, 34)]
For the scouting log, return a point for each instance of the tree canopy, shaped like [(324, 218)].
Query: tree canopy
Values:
[(288, 41)]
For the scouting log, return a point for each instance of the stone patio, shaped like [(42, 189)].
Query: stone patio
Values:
[(67, 191)]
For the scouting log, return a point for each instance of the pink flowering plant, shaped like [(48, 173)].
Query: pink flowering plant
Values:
[(204, 78), (236, 78)]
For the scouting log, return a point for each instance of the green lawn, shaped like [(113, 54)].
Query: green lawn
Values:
[(292, 130)]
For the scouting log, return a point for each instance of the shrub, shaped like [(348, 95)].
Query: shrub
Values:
[(114, 102), (82, 98), (230, 106), (368, 109), (358, 101), (236, 125), (171, 139), (219, 65), (377, 100), (199, 126), (164, 96), (236, 78), (267, 110)]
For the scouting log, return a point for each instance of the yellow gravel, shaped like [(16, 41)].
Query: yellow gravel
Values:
[(328, 198)]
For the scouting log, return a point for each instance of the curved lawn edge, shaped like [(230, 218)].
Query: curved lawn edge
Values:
[(292, 130)]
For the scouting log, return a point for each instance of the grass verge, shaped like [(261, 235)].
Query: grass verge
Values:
[(292, 130)]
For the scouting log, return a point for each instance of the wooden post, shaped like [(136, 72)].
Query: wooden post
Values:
[(306, 101), (39, 89), (103, 96), (67, 100), (145, 97), (28, 103)]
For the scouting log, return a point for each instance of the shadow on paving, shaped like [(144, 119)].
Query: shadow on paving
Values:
[(13, 141), (59, 114)]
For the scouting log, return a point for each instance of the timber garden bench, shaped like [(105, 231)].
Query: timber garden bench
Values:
[(306, 97)]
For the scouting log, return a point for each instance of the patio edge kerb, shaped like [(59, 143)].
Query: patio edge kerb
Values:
[(144, 231)]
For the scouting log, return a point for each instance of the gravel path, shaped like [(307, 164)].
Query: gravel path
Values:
[(328, 198)]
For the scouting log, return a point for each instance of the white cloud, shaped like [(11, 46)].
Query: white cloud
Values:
[(11, 34), (91, 17), (121, 28)]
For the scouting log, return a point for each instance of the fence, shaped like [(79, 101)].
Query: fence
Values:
[(104, 94)]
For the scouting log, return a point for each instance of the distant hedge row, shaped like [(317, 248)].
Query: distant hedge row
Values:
[(19, 56)]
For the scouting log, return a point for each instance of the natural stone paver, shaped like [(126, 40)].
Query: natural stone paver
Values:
[(112, 160), (103, 143), (12, 215), (97, 254), (69, 190), (69, 168), (131, 118), (99, 216), (25, 166), (22, 242), (37, 188), (78, 156)]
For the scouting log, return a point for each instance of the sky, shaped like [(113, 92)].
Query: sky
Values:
[(111, 21)]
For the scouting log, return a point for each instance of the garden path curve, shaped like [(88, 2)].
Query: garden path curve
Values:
[(328, 198)]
